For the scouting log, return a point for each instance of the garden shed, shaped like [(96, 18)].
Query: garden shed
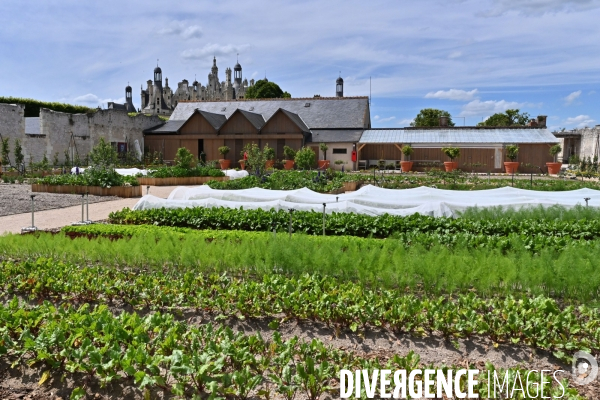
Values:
[(482, 149)]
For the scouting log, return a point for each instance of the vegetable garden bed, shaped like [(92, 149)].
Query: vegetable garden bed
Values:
[(120, 191), (180, 181)]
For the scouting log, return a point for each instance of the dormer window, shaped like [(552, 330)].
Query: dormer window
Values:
[(306, 104)]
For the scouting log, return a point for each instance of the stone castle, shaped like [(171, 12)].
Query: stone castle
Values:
[(159, 100)]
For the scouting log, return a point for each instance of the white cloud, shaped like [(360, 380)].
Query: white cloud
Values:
[(406, 122), (179, 28), (388, 119), (580, 121), (455, 54), (93, 100), (453, 94), (572, 97), (478, 108), (591, 92), (212, 50), (539, 7)]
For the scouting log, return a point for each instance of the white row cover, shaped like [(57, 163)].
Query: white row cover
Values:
[(231, 173), (369, 200)]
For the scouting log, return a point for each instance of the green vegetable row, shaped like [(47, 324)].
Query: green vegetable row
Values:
[(383, 226), (569, 274), (536, 321), (156, 352), (179, 172)]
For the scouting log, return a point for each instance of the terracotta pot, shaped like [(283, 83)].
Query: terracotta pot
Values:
[(323, 164), (243, 164), (289, 164), (553, 167), (406, 165), (225, 164), (269, 164), (511, 167), (450, 165)]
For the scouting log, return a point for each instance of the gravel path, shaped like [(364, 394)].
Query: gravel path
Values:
[(14, 199)]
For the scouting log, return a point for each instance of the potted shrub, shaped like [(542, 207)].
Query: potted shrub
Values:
[(554, 167), (305, 158), (289, 154), (512, 151), (324, 163), (269, 154), (224, 163), (406, 165), (452, 153)]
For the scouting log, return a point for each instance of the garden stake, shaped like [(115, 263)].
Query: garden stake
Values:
[(513, 179), (32, 211), (586, 202), (324, 205), (336, 198), (82, 203), (531, 183), (147, 190), (87, 206)]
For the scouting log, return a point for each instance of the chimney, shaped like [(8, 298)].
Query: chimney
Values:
[(532, 122), (541, 121), (444, 122)]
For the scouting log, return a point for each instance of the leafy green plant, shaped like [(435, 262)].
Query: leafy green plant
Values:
[(5, 152), (19, 157), (269, 152), (407, 150), (255, 164), (512, 152), (184, 158), (305, 158), (554, 150), (451, 152), (289, 153), (323, 147), (223, 150), (103, 155)]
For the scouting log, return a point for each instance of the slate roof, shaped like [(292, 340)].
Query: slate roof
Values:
[(255, 119), (168, 127), (455, 136), (216, 120), (296, 119), (336, 135), (32, 126), (335, 112)]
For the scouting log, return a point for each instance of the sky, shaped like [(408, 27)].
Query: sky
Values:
[(471, 58)]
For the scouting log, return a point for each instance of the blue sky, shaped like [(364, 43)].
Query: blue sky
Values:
[(471, 58)]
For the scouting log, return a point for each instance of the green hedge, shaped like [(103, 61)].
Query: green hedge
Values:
[(32, 107)]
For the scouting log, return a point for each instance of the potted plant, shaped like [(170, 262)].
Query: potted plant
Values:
[(512, 151), (406, 165), (452, 153), (289, 154), (224, 163), (305, 158), (269, 154), (554, 167), (324, 163)]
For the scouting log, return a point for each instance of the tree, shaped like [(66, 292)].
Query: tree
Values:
[(184, 158), (431, 117), (102, 155), (19, 157), (510, 117), (5, 152), (263, 89), (305, 158)]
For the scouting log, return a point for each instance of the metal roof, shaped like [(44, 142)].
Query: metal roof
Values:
[(335, 112), (456, 136), (336, 135), (32, 126)]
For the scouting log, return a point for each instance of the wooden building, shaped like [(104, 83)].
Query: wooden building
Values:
[(205, 126), (482, 149)]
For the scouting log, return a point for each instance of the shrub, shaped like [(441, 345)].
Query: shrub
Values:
[(305, 158), (289, 153), (554, 150), (269, 152), (324, 148), (512, 151), (407, 150), (223, 150), (184, 158), (103, 155), (451, 152)]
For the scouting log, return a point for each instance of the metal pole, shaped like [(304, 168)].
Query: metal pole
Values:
[(82, 203), (147, 190), (531, 183), (513, 179), (324, 205), (586, 200), (337, 198), (87, 206), (32, 210)]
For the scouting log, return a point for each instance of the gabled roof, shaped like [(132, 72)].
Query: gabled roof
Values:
[(215, 120), (444, 137), (257, 120), (295, 119), (169, 127), (316, 113)]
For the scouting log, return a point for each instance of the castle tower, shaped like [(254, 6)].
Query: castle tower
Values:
[(228, 76), (158, 78), (129, 99), (339, 87), (237, 76)]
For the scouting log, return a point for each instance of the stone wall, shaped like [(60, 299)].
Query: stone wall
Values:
[(72, 133), (583, 143), (12, 125)]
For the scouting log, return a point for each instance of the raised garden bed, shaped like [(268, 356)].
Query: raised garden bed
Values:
[(173, 181), (120, 191)]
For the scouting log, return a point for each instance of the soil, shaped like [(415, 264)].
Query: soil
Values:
[(14, 199), (22, 382)]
